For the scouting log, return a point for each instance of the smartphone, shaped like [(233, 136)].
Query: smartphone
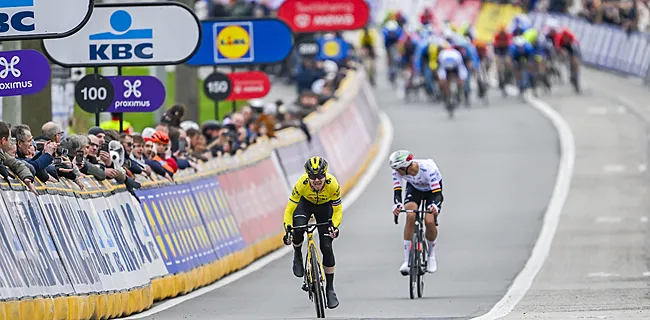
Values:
[(105, 146), (79, 157), (57, 161)]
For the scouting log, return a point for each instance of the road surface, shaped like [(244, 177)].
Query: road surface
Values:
[(499, 165)]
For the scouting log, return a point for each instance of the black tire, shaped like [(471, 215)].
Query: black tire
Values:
[(414, 265), (317, 285), (421, 270)]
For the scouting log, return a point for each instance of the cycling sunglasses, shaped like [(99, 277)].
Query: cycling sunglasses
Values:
[(316, 176)]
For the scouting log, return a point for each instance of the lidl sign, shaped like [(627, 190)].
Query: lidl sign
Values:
[(238, 42)]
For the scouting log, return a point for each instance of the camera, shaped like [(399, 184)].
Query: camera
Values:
[(61, 152)]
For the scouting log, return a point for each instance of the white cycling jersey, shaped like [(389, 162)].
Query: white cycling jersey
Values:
[(450, 59), (427, 179)]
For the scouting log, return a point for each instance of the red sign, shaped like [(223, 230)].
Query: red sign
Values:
[(324, 15), (249, 85)]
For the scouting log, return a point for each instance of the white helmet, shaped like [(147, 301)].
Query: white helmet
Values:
[(552, 24), (400, 159)]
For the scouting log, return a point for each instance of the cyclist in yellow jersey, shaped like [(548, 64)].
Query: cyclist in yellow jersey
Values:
[(316, 192), (367, 46)]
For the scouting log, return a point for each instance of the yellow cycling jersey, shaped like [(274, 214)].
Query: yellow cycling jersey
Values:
[(331, 191), (367, 39), (434, 50)]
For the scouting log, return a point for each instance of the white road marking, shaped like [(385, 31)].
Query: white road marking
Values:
[(646, 274), (348, 200), (643, 168), (613, 168), (540, 252), (644, 219), (603, 275), (608, 219), (597, 111)]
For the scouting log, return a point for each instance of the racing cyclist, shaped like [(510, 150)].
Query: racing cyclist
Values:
[(501, 45), (567, 43), (520, 23), (450, 62), (520, 55), (423, 182), (316, 192), (392, 32), (367, 45), (407, 46), (542, 51)]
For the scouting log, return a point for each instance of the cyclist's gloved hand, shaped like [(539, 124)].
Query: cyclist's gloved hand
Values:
[(334, 232), (433, 208), (287, 236), (396, 208)]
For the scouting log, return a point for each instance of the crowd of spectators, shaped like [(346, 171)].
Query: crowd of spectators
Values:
[(157, 152), (630, 15)]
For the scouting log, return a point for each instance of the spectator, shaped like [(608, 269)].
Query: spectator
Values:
[(137, 155), (114, 124), (127, 144), (161, 150), (18, 167), (25, 151), (198, 143), (51, 131), (86, 166)]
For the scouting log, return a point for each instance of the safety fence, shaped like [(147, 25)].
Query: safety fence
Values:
[(99, 252)]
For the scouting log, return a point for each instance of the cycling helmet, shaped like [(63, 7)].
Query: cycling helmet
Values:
[(519, 41), (391, 25), (316, 167), (400, 159), (160, 137)]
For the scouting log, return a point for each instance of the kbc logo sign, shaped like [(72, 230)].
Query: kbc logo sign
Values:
[(121, 43), (17, 15), (234, 42)]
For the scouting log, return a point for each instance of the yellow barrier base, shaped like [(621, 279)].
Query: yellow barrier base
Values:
[(60, 308), (10, 310)]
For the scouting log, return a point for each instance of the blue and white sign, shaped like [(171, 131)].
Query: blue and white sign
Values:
[(28, 19), (242, 42), (126, 34)]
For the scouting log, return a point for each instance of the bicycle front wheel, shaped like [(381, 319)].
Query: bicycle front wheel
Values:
[(317, 285), (414, 265)]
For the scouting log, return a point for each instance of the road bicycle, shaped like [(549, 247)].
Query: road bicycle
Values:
[(314, 278), (419, 254)]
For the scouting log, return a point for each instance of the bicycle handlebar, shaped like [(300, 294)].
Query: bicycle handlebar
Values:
[(311, 227)]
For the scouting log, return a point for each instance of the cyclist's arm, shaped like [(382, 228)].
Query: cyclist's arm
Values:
[(397, 187), (337, 208), (292, 203)]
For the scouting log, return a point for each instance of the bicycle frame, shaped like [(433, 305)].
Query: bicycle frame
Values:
[(314, 287)]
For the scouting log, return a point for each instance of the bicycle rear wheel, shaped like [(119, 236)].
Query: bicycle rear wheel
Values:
[(317, 285), (422, 266), (414, 264)]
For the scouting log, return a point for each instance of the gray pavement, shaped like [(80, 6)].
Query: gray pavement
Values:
[(499, 165), (598, 264)]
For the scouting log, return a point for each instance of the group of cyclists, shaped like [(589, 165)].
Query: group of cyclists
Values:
[(442, 54), (445, 55)]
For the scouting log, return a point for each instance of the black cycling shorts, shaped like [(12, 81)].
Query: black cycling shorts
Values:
[(415, 195), (322, 213), (571, 49), (501, 52)]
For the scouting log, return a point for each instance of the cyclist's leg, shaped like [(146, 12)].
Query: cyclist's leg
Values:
[(442, 81), (300, 217), (432, 230), (323, 213), (411, 202)]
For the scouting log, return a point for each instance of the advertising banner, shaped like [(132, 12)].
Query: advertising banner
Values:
[(257, 196), (249, 85), (492, 16), (13, 272), (23, 72), (125, 34), (46, 274), (146, 250), (136, 94), (444, 10), (466, 13), (242, 42), (71, 247), (324, 15), (33, 19)]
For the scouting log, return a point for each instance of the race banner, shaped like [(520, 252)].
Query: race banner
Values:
[(14, 273), (45, 272)]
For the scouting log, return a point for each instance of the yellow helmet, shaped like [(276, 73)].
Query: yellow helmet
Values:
[(316, 167)]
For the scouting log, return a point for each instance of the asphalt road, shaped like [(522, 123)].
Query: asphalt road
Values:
[(499, 165), (598, 264)]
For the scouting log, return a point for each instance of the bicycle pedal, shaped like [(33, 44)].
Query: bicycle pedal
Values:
[(305, 288)]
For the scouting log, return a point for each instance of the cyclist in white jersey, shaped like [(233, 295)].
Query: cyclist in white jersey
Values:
[(424, 181), (450, 61)]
